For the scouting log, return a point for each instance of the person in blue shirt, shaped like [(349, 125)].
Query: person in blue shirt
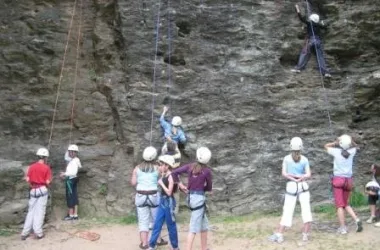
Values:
[(313, 27), (296, 169), (172, 131)]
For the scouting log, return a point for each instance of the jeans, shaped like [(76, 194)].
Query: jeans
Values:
[(165, 213), (304, 57)]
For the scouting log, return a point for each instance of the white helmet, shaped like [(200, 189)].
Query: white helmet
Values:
[(73, 147), (296, 144), (167, 159), (43, 152), (149, 154), (345, 141), (203, 155), (176, 121), (314, 18), (373, 185)]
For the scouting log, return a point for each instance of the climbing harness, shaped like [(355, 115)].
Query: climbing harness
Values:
[(148, 202), (298, 190), (203, 205)]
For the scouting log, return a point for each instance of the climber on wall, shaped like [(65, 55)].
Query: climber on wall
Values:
[(39, 178), (372, 189), (313, 26), (199, 182), (145, 178), (296, 169), (71, 182), (172, 131), (343, 150)]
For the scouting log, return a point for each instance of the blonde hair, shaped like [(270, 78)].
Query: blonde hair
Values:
[(148, 166), (197, 167)]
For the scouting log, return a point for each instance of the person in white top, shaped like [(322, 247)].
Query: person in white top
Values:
[(343, 150), (71, 181), (296, 169)]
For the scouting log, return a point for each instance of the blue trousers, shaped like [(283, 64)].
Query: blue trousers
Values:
[(165, 213), (303, 59)]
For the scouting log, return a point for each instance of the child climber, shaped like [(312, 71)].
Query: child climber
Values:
[(165, 211)]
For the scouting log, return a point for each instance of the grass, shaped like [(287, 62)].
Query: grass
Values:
[(358, 199), (5, 232)]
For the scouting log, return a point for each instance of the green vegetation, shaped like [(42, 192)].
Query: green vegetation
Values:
[(4, 232), (103, 189), (358, 199)]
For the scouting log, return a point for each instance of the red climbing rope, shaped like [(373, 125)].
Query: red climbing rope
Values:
[(61, 74)]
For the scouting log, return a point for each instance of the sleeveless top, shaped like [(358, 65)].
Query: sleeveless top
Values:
[(147, 181), (165, 180)]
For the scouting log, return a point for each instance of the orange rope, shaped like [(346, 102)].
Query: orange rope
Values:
[(76, 73), (61, 75)]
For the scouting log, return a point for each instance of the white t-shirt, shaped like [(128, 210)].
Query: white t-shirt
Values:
[(342, 166), (72, 168)]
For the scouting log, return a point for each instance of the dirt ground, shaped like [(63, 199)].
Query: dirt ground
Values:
[(225, 235)]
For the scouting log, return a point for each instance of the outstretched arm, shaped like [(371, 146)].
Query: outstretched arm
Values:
[(300, 16)]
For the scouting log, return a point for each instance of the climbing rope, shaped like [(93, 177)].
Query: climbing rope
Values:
[(169, 23), (61, 74), (320, 71), (76, 71), (157, 30)]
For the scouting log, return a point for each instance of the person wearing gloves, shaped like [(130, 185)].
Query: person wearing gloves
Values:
[(199, 182), (39, 178), (343, 150), (165, 211), (296, 169), (313, 41), (71, 182), (145, 179)]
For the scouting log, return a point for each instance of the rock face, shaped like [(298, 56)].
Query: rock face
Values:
[(223, 67)]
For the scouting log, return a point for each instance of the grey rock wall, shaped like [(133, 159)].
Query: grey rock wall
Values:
[(229, 66)]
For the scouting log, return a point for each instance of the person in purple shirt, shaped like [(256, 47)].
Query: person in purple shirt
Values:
[(199, 182)]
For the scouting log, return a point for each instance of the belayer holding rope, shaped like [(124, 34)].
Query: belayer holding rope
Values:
[(296, 169), (372, 189), (167, 204), (39, 178), (172, 131), (145, 178), (343, 150), (71, 182), (313, 40), (199, 182)]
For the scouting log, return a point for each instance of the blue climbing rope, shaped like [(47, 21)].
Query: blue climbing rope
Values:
[(320, 71), (157, 31)]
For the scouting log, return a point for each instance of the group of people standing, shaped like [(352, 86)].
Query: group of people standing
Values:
[(39, 178), (157, 180), (296, 169)]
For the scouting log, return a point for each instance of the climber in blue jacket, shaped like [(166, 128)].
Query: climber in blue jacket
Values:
[(172, 131), (313, 26)]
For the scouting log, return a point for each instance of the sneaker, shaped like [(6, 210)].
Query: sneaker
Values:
[(305, 237), (75, 217), (377, 224), (295, 70), (40, 237), (24, 237), (276, 238), (162, 242), (144, 247), (68, 217), (342, 230), (371, 220), (359, 226), (327, 75)]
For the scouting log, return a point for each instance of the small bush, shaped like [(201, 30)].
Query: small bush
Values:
[(358, 199)]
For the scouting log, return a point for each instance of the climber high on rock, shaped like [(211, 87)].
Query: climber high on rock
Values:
[(313, 26), (172, 131)]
